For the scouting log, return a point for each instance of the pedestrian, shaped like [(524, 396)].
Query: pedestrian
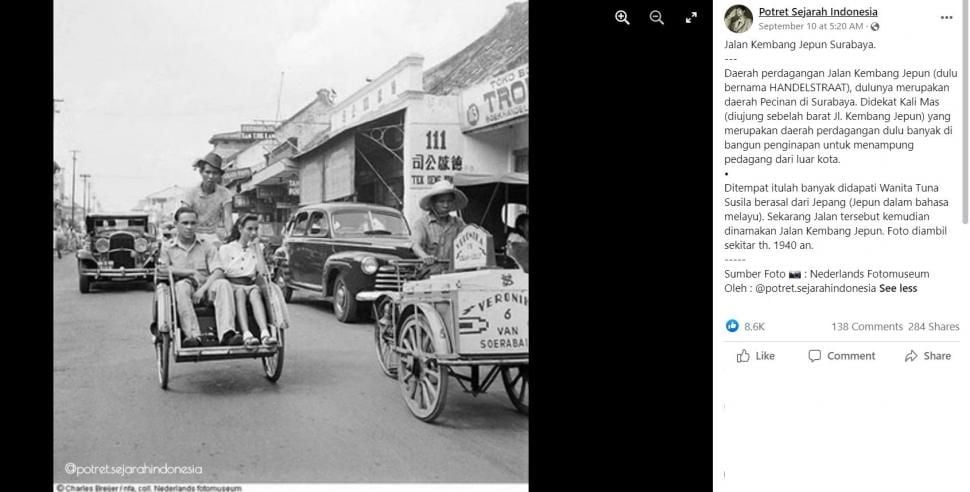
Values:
[(57, 243), (194, 264), (435, 231), (211, 200)]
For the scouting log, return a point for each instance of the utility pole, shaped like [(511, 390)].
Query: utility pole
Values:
[(279, 97), (73, 184), (85, 178)]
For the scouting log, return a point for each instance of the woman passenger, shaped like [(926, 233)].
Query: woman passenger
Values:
[(242, 263)]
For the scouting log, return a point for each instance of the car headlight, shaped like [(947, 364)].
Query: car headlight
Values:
[(141, 245), (101, 245), (369, 265)]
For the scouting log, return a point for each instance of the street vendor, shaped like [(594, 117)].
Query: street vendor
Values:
[(436, 230), (211, 200)]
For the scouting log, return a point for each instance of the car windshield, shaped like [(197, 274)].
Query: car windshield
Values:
[(119, 224), (356, 222)]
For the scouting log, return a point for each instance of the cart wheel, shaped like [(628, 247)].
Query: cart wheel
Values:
[(273, 364), (344, 304), (516, 381), (384, 338), (162, 347), (280, 281), (424, 384)]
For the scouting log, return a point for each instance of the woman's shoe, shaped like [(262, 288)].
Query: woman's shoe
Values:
[(250, 341), (269, 341)]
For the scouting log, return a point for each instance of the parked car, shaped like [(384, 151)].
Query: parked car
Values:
[(118, 248), (338, 249)]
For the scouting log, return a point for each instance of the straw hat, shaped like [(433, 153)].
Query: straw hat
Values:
[(444, 187)]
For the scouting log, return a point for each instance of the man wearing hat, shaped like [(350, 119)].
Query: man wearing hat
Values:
[(211, 200), (436, 230)]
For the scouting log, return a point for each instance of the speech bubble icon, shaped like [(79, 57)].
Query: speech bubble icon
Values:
[(814, 355)]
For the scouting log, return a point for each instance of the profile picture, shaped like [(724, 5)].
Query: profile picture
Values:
[(738, 18)]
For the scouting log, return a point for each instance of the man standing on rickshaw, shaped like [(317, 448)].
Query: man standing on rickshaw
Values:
[(194, 263), (436, 230), (211, 200)]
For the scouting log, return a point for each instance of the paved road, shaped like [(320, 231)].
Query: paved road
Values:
[(332, 417)]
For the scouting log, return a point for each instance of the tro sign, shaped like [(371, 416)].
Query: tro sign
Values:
[(496, 100), (473, 248)]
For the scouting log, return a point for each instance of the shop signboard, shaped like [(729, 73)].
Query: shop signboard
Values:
[(236, 174), (496, 100), (433, 152), (257, 131), (241, 201), (270, 191)]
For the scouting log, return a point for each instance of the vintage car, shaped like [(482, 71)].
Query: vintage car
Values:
[(118, 248), (338, 249)]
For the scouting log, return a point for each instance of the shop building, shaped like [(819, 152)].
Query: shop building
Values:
[(271, 186)]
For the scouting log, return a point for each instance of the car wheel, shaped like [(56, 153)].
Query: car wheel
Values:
[(84, 284), (344, 304), (280, 281)]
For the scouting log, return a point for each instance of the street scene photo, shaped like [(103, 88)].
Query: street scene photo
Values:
[(291, 242)]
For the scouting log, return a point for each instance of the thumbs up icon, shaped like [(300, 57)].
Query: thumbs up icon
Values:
[(744, 356)]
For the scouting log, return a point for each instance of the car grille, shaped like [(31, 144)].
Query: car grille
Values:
[(122, 241), (121, 258), (392, 281)]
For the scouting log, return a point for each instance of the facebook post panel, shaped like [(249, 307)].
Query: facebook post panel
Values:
[(841, 246)]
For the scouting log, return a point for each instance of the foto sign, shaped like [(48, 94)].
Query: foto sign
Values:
[(473, 248), (496, 100)]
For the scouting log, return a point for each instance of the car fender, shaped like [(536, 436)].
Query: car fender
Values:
[(441, 338), (83, 254)]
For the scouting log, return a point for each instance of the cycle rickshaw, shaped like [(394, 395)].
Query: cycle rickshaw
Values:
[(168, 337), (475, 318)]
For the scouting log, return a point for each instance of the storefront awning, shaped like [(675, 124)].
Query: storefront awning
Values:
[(277, 173), (469, 179)]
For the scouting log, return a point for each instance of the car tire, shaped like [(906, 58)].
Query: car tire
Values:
[(344, 304), (84, 284)]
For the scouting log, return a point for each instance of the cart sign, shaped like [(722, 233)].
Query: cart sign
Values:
[(493, 313), (473, 248)]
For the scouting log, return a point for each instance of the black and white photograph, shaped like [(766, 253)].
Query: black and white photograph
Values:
[(291, 243)]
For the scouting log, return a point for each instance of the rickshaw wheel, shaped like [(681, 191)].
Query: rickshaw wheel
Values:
[(424, 385), (162, 348), (384, 340), (516, 381), (273, 364)]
